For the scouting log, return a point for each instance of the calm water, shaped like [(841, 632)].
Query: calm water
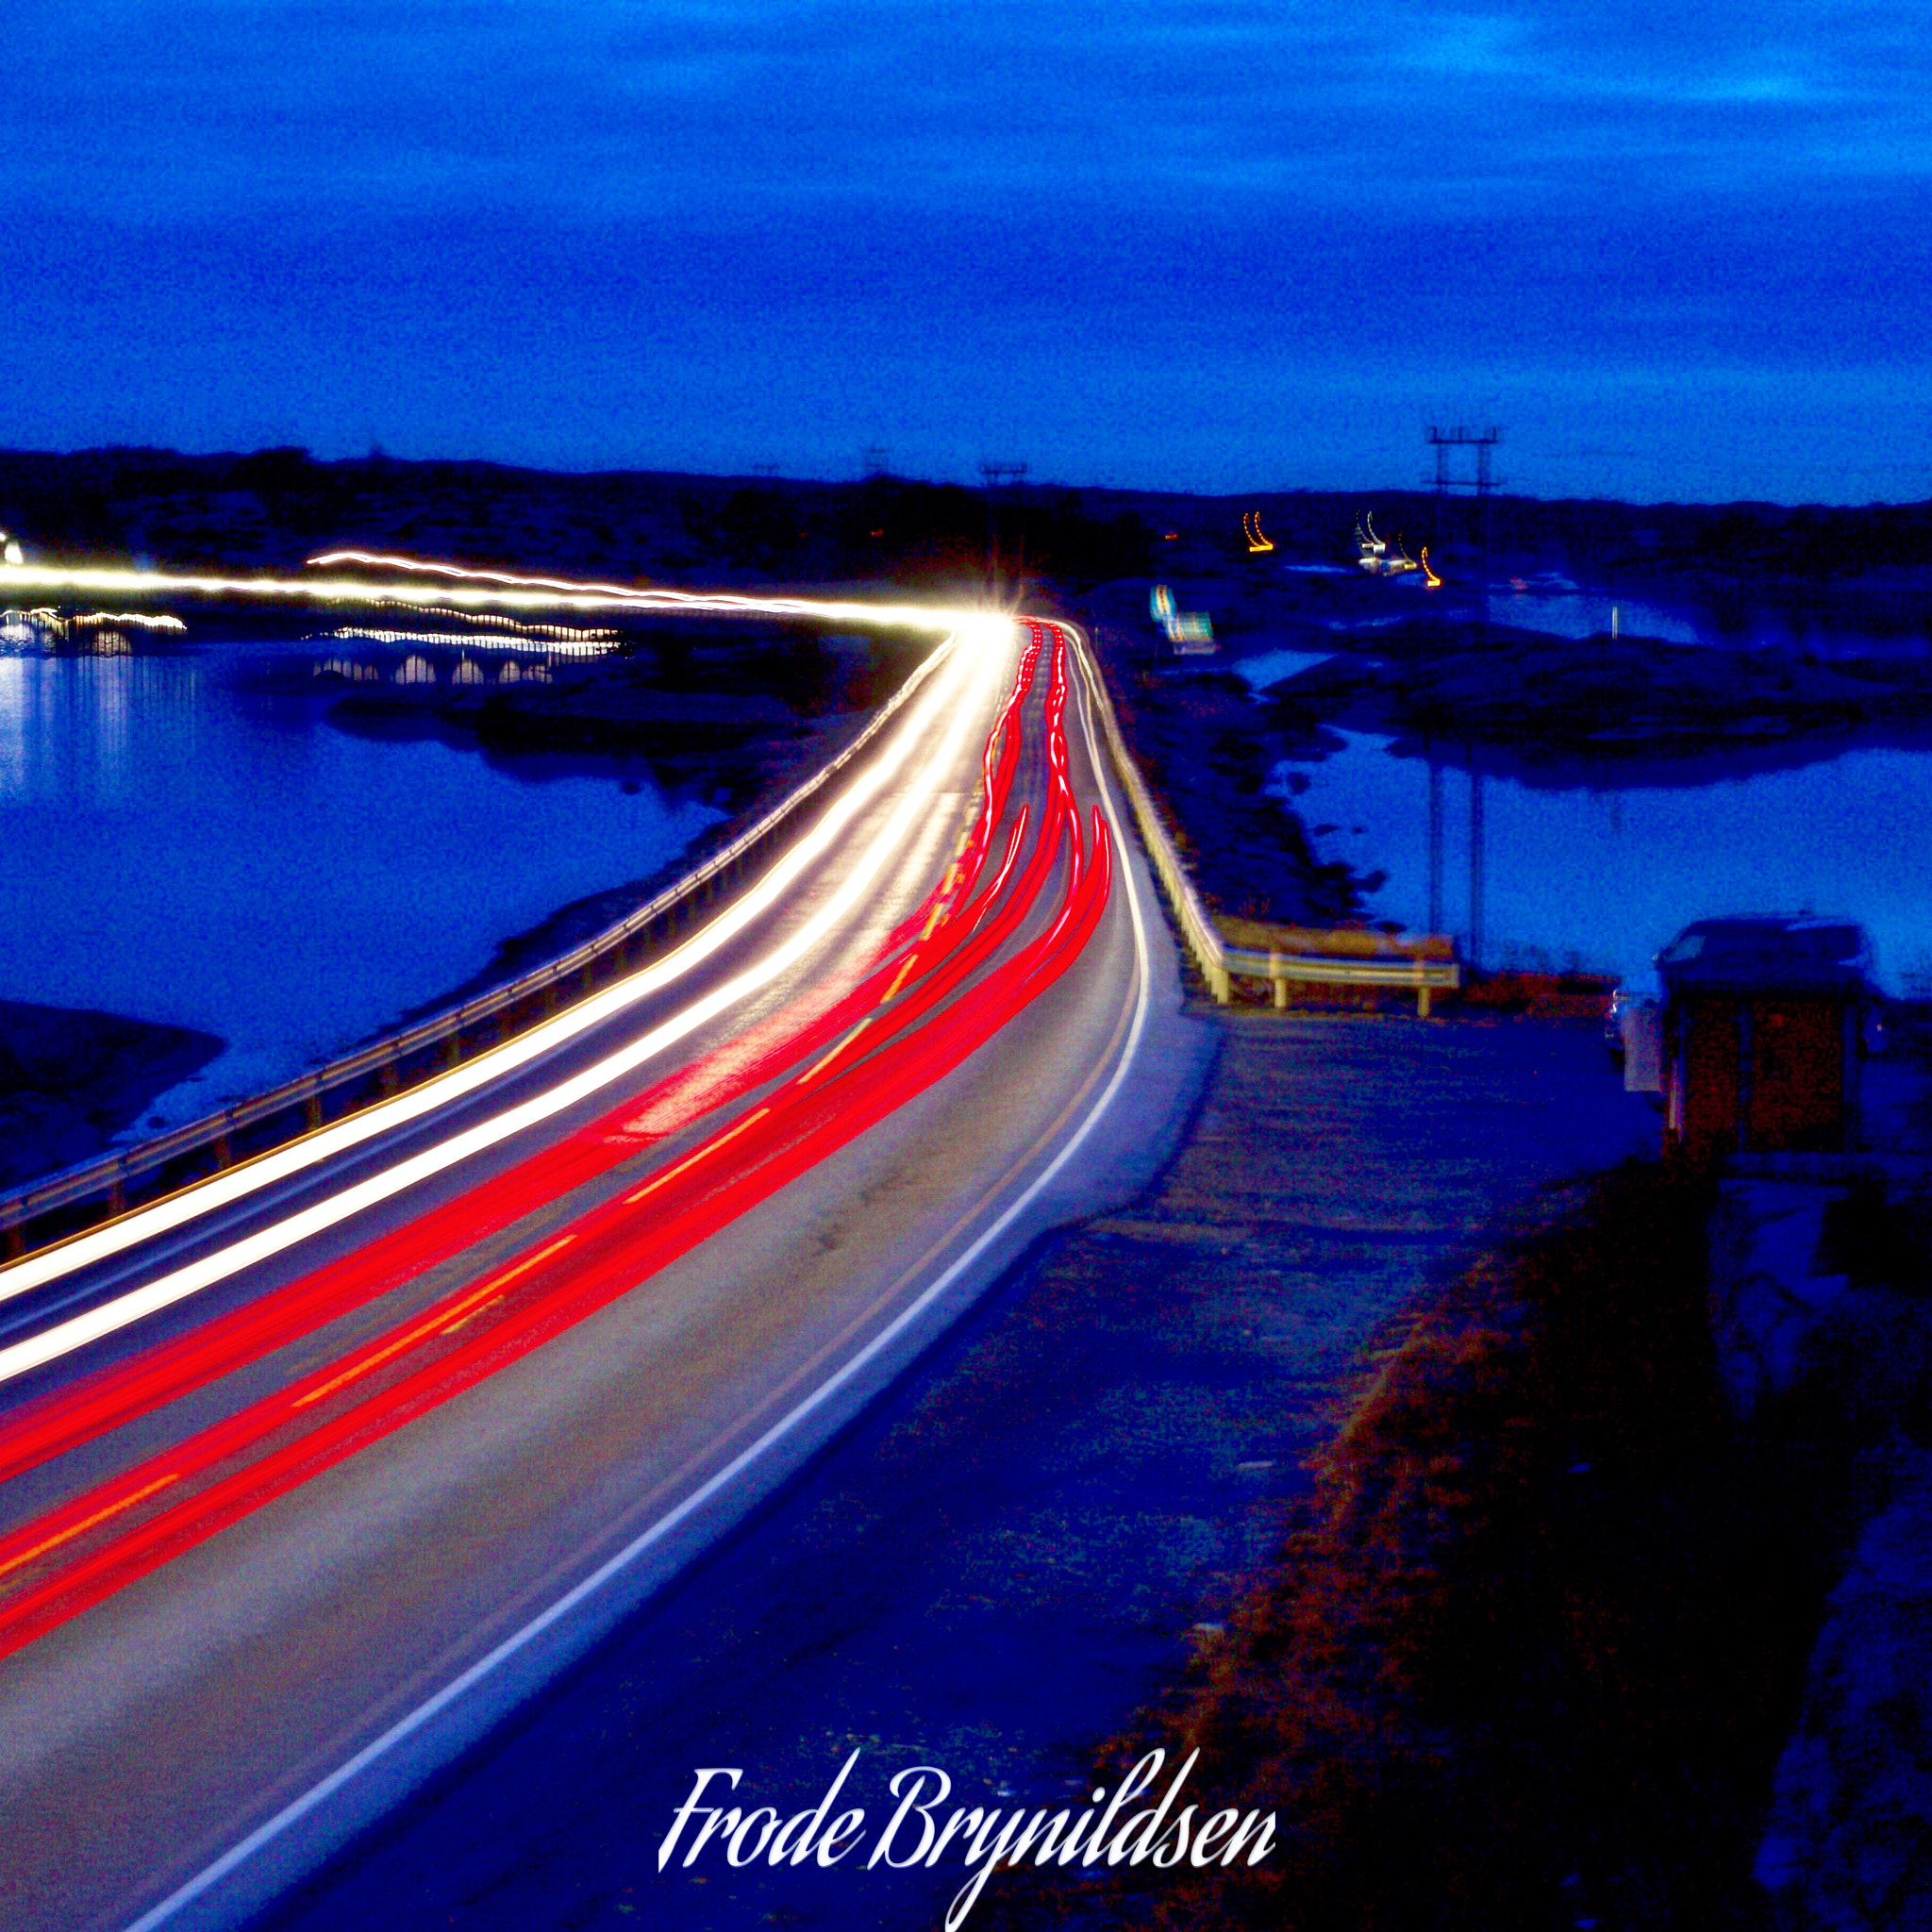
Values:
[(1601, 877), (1581, 611), (1270, 667), (1602, 874), (177, 847), (1560, 607)]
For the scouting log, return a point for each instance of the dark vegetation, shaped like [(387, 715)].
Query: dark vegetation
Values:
[(70, 1080), (272, 507), (1430, 672), (1880, 1238), (1549, 709), (1540, 706), (1530, 1650), (1862, 563), (1206, 749), (727, 710), (275, 507)]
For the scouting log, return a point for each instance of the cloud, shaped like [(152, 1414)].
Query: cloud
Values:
[(980, 194)]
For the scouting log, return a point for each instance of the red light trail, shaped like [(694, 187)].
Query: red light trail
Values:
[(830, 1065)]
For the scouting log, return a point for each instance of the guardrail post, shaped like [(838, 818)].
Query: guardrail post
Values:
[(1278, 980), (311, 1112)]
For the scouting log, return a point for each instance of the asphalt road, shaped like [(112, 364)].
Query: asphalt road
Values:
[(1029, 1535), (538, 1397)]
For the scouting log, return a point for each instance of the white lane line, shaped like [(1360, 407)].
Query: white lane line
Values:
[(483, 589), (956, 699), (406, 1727)]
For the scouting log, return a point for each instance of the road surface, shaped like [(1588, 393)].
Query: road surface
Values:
[(305, 1477)]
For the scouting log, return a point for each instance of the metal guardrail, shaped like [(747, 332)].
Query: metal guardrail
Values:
[(1196, 928), (1221, 965), (1426, 976), (51, 1209)]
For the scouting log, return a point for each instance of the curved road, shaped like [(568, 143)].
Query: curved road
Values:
[(306, 1477)]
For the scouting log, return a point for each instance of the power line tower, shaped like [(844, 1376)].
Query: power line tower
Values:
[(1002, 480), (1482, 486), (1479, 859), (1434, 767)]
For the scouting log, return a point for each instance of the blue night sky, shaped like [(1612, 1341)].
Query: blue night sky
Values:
[(1214, 247)]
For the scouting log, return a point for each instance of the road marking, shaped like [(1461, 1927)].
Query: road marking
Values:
[(899, 979), (444, 1322), (945, 892), (818, 1066), (67, 1536), (704, 1153)]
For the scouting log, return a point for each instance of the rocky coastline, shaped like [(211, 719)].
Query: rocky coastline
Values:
[(72, 1079)]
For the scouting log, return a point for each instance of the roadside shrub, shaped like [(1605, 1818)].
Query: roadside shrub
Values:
[(1529, 1655)]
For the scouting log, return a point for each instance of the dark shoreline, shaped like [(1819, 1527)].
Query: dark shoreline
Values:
[(71, 1078)]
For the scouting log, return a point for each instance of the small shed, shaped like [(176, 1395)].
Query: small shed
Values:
[(1763, 1021)]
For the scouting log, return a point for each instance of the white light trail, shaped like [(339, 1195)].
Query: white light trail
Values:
[(141, 619), (516, 627), (648, 597), (380, 559), (483, 589), (956, 697)]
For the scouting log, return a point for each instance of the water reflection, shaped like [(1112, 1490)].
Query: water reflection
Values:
[(1733, 621), (1265, 668), (1576, 614), (181, 844), (67, 724), (1601, 875), (1743, 613), (455, 667)]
